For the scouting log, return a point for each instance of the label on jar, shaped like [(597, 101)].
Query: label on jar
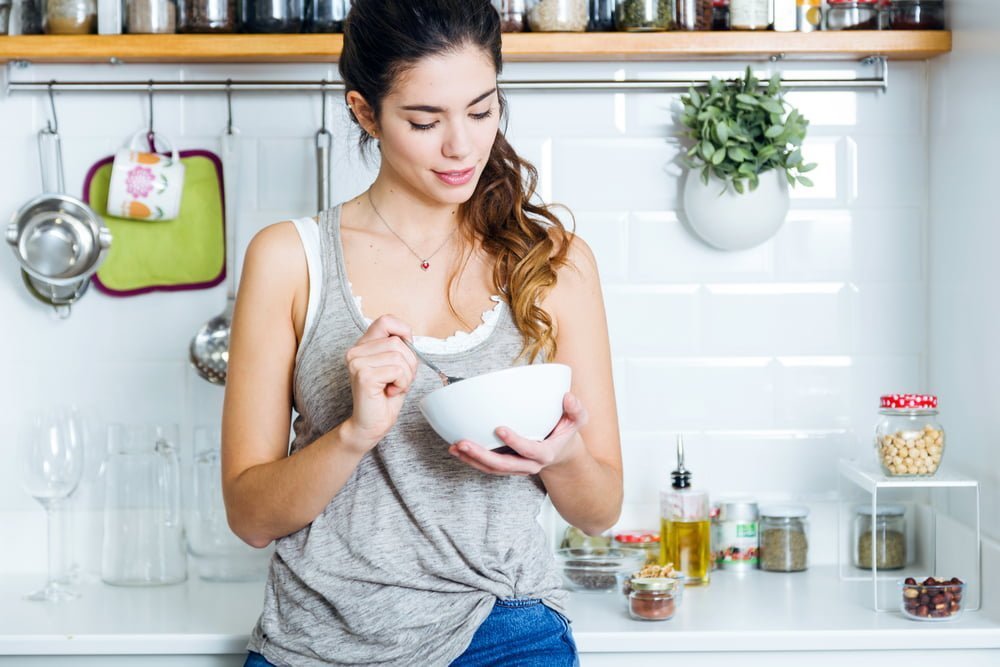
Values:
[(737, 546), (749, 14)]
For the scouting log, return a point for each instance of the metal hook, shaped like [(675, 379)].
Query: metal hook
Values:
[(150, 135), (322, 88), (54, 122), (229, 106)]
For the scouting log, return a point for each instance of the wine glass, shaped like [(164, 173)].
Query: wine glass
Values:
[(51, 465)]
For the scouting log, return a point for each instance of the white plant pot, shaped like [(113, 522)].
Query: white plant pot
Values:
[(732, 221)]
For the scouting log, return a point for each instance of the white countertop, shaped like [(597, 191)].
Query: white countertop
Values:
[(757, 611)]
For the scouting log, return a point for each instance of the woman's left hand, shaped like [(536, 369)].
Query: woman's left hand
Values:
[(562, 444)]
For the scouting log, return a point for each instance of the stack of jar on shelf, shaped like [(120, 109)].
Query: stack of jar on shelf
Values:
[(688, 15)]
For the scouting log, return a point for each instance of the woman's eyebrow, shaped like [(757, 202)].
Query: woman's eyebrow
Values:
[(433, 109)]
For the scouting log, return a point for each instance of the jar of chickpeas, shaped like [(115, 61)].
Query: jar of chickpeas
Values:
[(909, 440)]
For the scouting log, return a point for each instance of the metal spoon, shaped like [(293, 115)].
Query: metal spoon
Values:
[(445, 378)]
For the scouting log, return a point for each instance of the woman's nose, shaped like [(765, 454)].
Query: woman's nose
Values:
[(456, 144)]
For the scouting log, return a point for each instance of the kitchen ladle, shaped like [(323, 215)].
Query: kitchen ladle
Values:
[(209, 350), (445, 378)]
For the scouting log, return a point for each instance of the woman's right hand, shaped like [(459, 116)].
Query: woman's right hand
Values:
[(382, 369)]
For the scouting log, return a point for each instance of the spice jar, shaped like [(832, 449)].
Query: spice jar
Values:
[(737, 547), (558, 15), (852, 15), (916, 15), (70, 17), (150, 16), (889, 530), (326, 15), (909, 441), (602, 16), (647, 540), (511, 15), (784, 546), (206, 16), (272, 16), (809, 15), (693, 15), (749, 14), (720, 14), (644, 15), (651, 599)]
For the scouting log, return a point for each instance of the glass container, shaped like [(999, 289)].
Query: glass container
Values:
[(150, 16), (24, 17), (647, 540), (720, 14), (909, 440), (916, 15), (651, 599), (558, 15), (737, 547), (810, 15), (70, 17), (644, 15), (784, 542), (889, 531), (272, 16), (749, 14), (602, 16), (512, 15), (693, 15), (932, 599), (326, 15), (598, 570), (852, 15), (206, 16)]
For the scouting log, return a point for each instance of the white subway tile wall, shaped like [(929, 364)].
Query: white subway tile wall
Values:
[(769, 361)]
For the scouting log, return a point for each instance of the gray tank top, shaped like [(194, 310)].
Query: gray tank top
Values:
[(407, 560)]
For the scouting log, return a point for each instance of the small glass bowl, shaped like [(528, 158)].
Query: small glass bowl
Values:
[(932, 599), (600, 569)]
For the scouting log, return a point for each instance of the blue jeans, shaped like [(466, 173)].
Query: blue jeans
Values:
[(517, 633)]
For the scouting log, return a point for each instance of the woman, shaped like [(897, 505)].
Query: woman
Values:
[(393, 548)]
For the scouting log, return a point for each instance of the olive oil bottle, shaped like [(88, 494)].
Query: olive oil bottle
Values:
[(685, 537)]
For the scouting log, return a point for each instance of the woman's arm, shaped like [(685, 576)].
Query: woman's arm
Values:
[(580, 462), (269, 494)]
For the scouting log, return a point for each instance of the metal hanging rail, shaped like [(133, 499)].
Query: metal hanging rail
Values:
[(879, 82)]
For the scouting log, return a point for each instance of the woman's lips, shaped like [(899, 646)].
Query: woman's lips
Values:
[(456, 177)]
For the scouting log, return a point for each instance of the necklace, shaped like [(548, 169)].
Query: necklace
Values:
[(425, 262)]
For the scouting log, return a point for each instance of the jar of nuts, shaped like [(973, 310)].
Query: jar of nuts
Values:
[(909, 441)]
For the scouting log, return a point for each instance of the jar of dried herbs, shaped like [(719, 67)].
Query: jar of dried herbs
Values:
[(888, 526), (644, 15), (784, 544), (70, 17), (558, 15)]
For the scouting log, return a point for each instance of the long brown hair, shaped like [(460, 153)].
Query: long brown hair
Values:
[(385, 38)]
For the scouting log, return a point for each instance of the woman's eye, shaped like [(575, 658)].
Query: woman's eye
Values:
[(418, 126), (482, 116)]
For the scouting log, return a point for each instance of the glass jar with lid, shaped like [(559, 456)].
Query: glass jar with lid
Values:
[(784, 543), (720, 14), (326, 16), (693, 15), (909, 440), (205, 16), (652, 598), (916, 15), (647, 540), (738, 529), (885, 532), (512, 14), (749, 14), (852, 15), (602, 16), (558, 15), (70, 17), (150, 16), (644, 15), (272, 16)]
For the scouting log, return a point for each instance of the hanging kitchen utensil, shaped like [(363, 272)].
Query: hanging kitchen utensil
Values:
[(323, 141), (209, 349), (58, 240)]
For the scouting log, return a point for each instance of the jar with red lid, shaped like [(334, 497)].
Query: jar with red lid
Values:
[(720, 14), (647, 540), (852, 15), (909, 440)]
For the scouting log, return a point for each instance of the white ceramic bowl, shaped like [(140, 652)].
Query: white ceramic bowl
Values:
[(527, 399)]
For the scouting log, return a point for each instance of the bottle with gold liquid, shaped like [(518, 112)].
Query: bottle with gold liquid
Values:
[(685, 526)]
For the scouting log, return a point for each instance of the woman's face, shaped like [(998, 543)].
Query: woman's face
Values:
[(438, 125)]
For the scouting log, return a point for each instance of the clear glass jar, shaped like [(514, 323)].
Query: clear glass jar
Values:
[(70, 17), (909, 440), (889, 530), (749, 14), (558, 15), (512, 15), (693, 15), (738, 531), (720, 14), (644, 15), (150, 16), (206, 16), (24, 18), (651, 599), (647, 540), (602, 16), (271, 16), (852, 15), (784, 542), (326, 16), (916, 15)]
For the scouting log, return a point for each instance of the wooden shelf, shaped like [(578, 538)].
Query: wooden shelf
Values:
[(538, 47)]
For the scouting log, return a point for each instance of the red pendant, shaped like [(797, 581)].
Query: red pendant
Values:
[(425, 265)]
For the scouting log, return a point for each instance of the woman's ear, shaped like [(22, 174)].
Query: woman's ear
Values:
[(363, 113)]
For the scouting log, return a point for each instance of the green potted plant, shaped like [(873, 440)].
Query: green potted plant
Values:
[(745, 151)]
